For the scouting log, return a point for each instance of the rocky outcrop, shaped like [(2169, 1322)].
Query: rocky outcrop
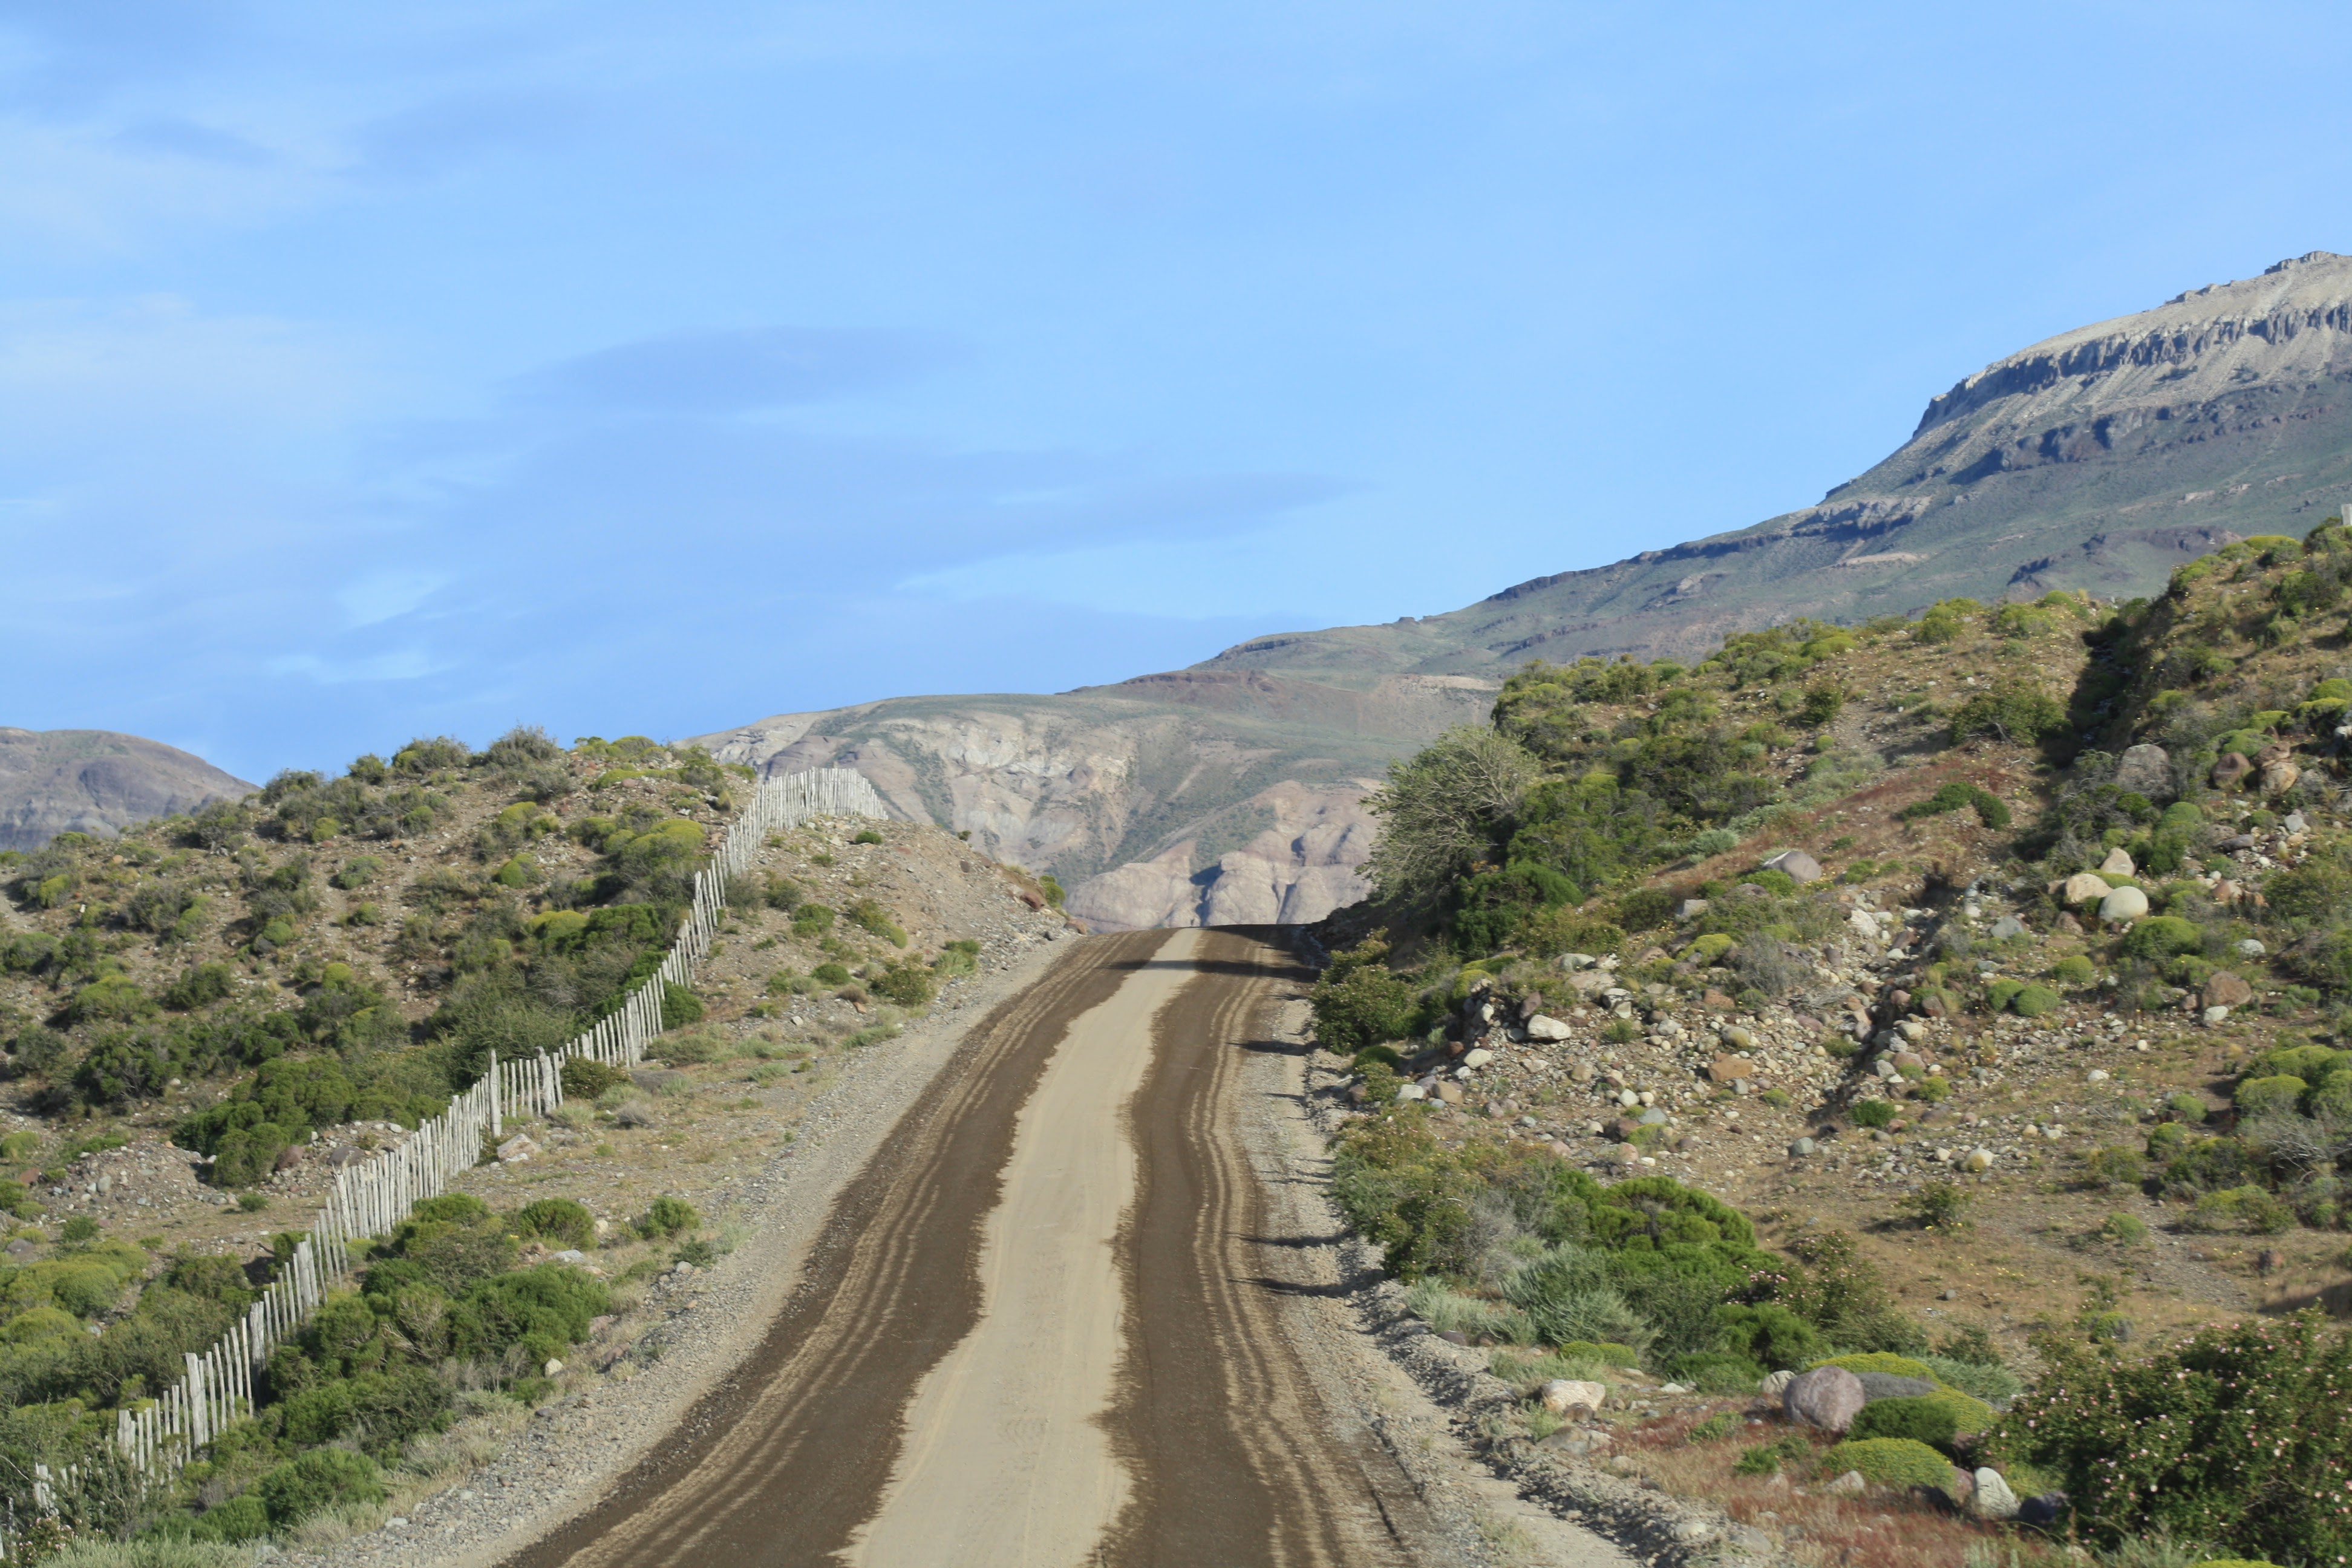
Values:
[(95, 781)]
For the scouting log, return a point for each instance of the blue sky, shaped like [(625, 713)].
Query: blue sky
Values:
[(367, 372)]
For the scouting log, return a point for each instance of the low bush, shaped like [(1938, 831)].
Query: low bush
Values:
[(1934, 1419), (1940, 1205), (906, 984), (311, 1483), (558, 1220), (1873, 1112), (585, 1077), (2162, 936), (668, 1217), (1898, 1464)]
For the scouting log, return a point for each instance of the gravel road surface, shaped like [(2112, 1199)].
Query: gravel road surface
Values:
[(1080, 1307)]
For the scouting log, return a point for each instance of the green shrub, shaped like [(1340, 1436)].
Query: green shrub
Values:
[(1769, 1334), (2186, 1108), (2074, 969), (2162, 936), (2114, 1165), (1897, 1463), (811, 921), (830, 975), (1715, 1428), (234, 1523), (1940, 1205), (2035, 1001), (1952, 797), (1987, 1381), (1872, 1112), (1880, 1361), (668, 1217), (2264, 1095), (866, 835), (1934, 1419), (585, 1078), (2248, 1208), (908, 985), (79, 1229), (2122, 1230), (680, 1007), (2018, 713), (874, 919), (557, 1220), (1766, 1459), (323, 1479), (2239, 1434), (1358, 1002)]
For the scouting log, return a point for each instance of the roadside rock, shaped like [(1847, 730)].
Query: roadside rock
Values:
[(1562, 1394), (2083, 888), (1828, 1397), (1878, 1386), (2145, 769), (1548, 1029), (1992, 1499), (2223, 989), (2123, 906), (1796, 864)]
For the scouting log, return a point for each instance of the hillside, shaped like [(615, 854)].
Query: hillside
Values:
[(94, 781), (1998, 964), (211, 1016), (2096, 461)]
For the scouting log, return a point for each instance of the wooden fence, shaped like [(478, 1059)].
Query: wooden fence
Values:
[(371, 1198)]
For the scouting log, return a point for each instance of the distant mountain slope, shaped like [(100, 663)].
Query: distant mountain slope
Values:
[(2100, 459), (95, 781)]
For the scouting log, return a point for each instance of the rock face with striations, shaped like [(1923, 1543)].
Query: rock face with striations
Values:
[(95, 781)]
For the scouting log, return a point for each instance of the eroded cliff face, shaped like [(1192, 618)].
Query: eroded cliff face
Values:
[(1189, 798), (1304, 863)]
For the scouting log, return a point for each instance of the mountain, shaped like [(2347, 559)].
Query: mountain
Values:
[(95, 781), (2098, 459)]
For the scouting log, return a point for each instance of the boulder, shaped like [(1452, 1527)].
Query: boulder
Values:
[(2048, 1508), (2123, 906), (1850, 1484), (2118, 863), (1572, 962), (517, 1148), (2083, 888), (1586, 982), (2006, 927), (1796, 864), (1801, 1147), (1562, 1394), (2279, 777), (1544, 1027), (1739, 1038), (2231, 770), (1412, 1092), (1451, 1093), (1992, 1499), (1715, 1001), (2144, 769), (1477, 1056), (1775, 1383), (2223, 989), (1729, 1069), (2295, 823), (1878, 1386), (2248, 947), (1690, 908), (288, 1158), (1828, 1397), (2214, 1017)]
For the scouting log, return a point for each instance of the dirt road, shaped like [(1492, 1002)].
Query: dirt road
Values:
[(1051, 1324)]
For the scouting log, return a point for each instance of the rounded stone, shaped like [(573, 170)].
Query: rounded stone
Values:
[(1828, 1397), (1802, 1146), (2123, 906)]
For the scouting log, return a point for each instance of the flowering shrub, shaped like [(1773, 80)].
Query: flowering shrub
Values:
[(2239, 1434)]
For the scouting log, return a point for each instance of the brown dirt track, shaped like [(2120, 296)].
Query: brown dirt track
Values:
[(1227, 1451)]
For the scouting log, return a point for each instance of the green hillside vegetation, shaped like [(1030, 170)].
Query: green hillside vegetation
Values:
[(1623, 811), (354, 949)]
